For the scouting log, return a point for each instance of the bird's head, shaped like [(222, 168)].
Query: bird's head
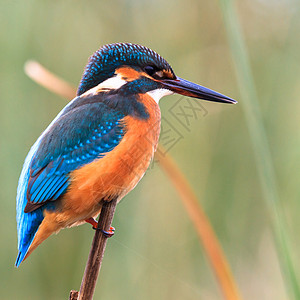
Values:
[(130, 68)]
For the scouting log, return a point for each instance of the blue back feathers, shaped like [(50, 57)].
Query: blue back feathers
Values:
[(81, 133), (103, 62)]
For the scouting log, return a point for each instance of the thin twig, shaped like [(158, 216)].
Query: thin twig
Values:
[(94, 262), (187, 196), (73, 295)]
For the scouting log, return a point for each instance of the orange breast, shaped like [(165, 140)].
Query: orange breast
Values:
[(118, 172)]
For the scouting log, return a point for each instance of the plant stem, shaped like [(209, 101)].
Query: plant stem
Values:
[(260, 143), (94, 262), (50, 81), (73, 295), (202, 226)]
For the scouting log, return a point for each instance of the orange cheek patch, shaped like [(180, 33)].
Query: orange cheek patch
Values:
[(128, 73)]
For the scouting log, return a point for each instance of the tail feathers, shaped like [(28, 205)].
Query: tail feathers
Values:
[(37, 235), (23, 249), (28, 225), (20, 258)]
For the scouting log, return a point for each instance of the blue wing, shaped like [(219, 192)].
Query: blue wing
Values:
[(77, 138), (81, 133)]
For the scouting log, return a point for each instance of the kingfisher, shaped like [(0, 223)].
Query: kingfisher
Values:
[(101, 143)]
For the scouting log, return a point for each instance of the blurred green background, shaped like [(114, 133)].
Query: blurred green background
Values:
[(155, 253)]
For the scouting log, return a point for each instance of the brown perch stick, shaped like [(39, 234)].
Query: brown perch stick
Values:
[(94, 262)]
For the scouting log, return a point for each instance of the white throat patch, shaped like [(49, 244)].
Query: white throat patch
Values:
[(159, 93)]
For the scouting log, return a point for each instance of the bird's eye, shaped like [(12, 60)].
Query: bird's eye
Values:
[(150, 70), (154, 72)]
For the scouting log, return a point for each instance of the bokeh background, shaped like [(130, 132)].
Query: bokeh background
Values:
[(155, 253)]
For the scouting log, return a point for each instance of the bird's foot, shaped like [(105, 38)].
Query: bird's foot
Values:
[(94, 223), (108, 233)]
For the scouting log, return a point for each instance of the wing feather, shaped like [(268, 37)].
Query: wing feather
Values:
[(77, 138)]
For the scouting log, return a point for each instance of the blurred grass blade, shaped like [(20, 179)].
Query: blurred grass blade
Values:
[(202, 225), (50, 81), (261, 148)]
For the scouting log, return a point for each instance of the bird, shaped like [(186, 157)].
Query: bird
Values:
[(100, 144)]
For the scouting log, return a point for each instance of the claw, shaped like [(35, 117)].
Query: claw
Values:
[(108, 233), (94, 223)]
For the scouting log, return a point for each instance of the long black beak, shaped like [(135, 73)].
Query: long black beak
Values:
[(187, 88)]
